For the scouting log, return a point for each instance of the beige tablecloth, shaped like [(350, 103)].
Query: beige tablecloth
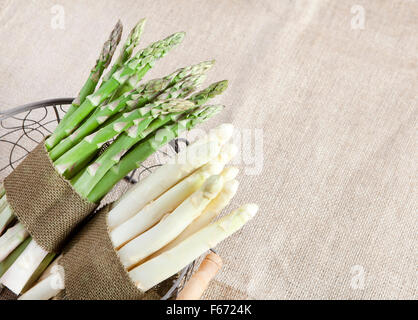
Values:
[(333, 87)]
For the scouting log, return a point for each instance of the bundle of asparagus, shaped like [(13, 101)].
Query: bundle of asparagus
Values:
[(132, 119), (165, 221)]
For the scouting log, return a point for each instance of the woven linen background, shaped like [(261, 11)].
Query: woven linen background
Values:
[(338, 110)]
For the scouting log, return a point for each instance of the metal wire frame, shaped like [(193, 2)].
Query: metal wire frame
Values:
[(21, 130)]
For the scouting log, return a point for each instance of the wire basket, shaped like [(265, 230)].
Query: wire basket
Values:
[(22, 128)]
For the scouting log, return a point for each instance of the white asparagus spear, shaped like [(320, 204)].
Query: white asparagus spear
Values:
[(194, 156), (156, 270), (167, 202), (229, 173), (22, 269), (172, 225), (213, 209), (6, 216), (48, 287), (3, 202), (11, 239), (171, 199)]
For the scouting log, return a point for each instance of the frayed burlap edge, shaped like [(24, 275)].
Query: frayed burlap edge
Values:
[(44, 202)]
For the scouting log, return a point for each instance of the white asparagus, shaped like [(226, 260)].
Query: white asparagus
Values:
[(194, 156), (227, 153), (6, 216), (167, 202), (22, 269), (202, 148), (156, 270), (51, 268), (170, 226), (213, 209), (3, 203), (48, 287), (229, 173), (11, 239)]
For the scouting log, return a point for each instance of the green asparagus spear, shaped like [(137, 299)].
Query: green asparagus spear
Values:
[(163, 88), (210, 92), (97, 71), (92, 174), (81, 165), (138, 65), (139, 117), (182, 73), (96, 119), (126, 52), (172, 80), (134, 158)]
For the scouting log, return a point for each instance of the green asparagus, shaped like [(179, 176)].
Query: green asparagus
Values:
[(147, 147), (170, 83), (126, 52), (97, 71), (96, 119), (178, 84), (138, 66), (210, 92), (139, 117), (125, 141), (95, 171), (109, 132)]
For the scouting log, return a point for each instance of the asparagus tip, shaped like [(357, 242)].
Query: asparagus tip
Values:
[(206, 65), (231, 187), (137, 30), (224, 132), (178, 37), (230, 173), (250, 209), (110, 45), (212, 186), (228, 152), (141, 22), (213, 109), (221, 86), (117, 30)]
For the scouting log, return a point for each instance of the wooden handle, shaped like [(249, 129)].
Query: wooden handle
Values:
[(199, 282)]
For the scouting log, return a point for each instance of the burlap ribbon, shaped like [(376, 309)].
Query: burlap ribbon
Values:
[(93, 270), (43, 201)]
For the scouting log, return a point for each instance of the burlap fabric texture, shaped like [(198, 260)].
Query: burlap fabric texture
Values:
[(93, 270), (44, 202), (6, 294)]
